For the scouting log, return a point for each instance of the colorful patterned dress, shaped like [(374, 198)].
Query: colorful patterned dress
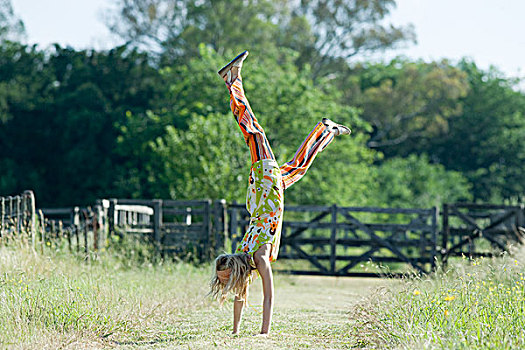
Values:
[(265, 203), (267, 181)]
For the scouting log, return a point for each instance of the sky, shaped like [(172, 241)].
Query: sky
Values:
[(491, 32)]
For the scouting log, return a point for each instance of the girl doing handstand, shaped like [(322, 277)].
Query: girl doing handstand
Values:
[(265, 201)]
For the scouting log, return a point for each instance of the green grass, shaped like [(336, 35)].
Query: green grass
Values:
[(120, 299), (59, 300), (476, 304)]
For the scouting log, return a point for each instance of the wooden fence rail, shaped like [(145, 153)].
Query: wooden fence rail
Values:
[(174, 227), (82, 227), (336, 241), (316, 239), (480, 229)]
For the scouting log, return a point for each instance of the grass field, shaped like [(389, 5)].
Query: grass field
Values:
[(57, 300), (475, 304)]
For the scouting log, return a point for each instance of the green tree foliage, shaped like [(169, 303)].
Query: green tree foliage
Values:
[(486, 141), (415, 182), (175, 29), (77, 126), (11, 27), (61, 113), (469, 120), (209, 158), (319, 30), (406, 102), (324, 30)]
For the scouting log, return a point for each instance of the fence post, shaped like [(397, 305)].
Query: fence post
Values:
[(2, 215), (233, 226), (333, 251), (9, 233), (444, 236), (85, 213), (111, 216), (219, 225), (157, 221), (42, 231), (208, 243), (32, 214), (435, 215), (23, 213), (95, 225), (103, 219), (69, 233), (521, 216), (60, 229), (18, 218), (75, 221)]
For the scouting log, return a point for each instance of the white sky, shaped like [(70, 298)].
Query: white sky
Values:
[(491, 32)]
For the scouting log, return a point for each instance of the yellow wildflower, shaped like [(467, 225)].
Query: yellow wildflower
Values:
[(416, 292), (449, 298)]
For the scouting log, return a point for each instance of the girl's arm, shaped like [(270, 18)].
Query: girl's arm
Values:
[(262, 261), (237, 313)]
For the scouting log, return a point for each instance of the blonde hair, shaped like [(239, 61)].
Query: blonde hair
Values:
[(240, 276)]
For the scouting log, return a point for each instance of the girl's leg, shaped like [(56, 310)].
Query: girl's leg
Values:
[(319, 138), (253, 132)]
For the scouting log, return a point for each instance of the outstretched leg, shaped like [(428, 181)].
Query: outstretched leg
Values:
[(253, 132), (315, 142)]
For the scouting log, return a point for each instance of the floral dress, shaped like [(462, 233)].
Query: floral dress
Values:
[(265, 203)]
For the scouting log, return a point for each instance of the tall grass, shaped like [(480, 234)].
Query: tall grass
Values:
[(120, 298), (475, 304), (57, 299), (124, 297)]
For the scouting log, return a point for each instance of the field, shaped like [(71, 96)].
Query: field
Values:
[(58, 300)]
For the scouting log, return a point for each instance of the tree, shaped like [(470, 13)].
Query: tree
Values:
[(415, 182), (175, 29), (208, 157), (320, 30), (406, 102), (11, 27), (63, 114), (486, 141), (341, 29), (209, 160)]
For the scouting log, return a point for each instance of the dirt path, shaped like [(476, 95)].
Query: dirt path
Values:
[(310, 312), (319, 292)]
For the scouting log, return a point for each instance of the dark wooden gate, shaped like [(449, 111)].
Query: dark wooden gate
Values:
[(475, 230), (186, 228), (175, 227), (341, 241)]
